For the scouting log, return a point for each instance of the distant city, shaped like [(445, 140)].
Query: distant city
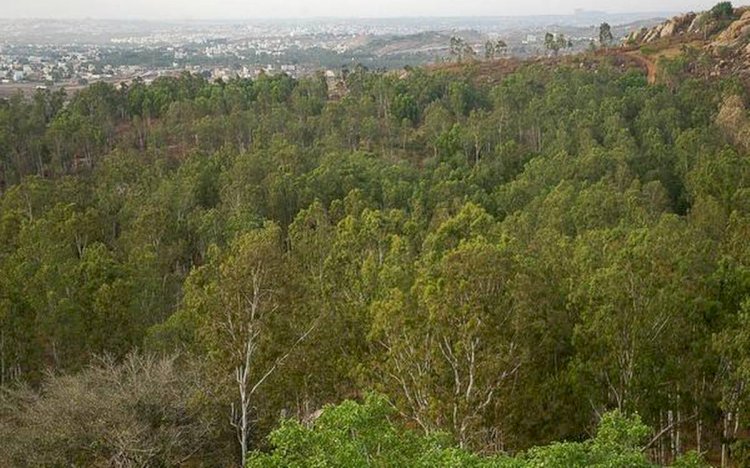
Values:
[(68, 53)]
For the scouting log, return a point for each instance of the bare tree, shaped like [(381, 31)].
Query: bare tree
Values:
[(105, 414), (240, 417), (250, 297)]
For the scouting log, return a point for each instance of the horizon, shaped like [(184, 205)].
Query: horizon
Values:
[(234, 10), (656, 13)]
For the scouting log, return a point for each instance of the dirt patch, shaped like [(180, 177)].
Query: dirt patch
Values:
[(648, 64)]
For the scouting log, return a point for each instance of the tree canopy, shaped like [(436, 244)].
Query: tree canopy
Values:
[(506, 262)]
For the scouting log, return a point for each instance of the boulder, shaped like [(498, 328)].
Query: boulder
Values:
[(654, 33), (668, 30), (637, 36), (677, 25)]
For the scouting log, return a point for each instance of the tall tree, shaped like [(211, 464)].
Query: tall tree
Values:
[(605, 35)]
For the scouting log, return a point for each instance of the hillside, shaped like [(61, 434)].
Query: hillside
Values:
[(711, 43), (501, 263)]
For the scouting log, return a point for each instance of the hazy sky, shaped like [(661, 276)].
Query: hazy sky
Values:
[(235, 9)]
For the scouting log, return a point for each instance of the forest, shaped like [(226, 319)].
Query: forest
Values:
[(417, 268)]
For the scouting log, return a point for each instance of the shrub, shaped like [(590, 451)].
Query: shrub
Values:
[(141, 412), (355, 435), (722, 11)]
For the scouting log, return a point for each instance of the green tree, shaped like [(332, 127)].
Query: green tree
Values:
[(605, 35), (722, 11)]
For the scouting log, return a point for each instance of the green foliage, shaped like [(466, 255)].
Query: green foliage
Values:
[(605, 35), (722, 11), (504, 260), (353, 435)]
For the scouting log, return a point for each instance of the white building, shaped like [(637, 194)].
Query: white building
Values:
[(17, 75)]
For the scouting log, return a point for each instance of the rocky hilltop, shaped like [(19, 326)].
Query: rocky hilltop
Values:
[(717, 39), (678, 25), (736, 34), (728, 25)]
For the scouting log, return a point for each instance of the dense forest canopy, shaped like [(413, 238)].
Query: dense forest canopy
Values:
[(185, 265)]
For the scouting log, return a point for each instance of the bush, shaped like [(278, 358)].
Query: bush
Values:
[(722, 11), (355, 435), (142, 412)]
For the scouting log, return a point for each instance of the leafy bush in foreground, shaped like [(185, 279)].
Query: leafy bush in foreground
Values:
[(355, 435)]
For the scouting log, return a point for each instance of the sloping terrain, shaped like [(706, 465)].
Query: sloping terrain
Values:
[(711, 43), (493, 71), (714, 43)]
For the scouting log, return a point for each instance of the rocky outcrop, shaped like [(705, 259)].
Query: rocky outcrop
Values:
[(735, 34), (698, 23), (722, 46), (704, 24), (637, 36), (676, 26), (653, 34)]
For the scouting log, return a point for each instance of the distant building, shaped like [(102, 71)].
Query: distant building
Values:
[(530, 39), (18, 75)]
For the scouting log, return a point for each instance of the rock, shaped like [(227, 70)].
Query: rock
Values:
[(643, 33), (668, 30), (653, 34), (728, 45), (699, 23), (637, 35), (734, 33), (677, 25)]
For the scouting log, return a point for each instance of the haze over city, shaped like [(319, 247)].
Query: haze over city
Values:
[(50, 46), (239, 9)]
